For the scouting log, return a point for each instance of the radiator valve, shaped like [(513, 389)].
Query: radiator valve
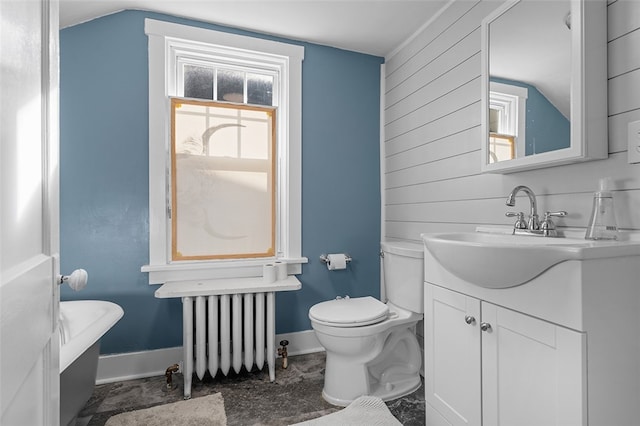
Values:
[(168, 374), (282, 351)]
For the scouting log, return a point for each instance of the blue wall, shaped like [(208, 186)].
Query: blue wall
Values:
[(104, 176), (547, 128)]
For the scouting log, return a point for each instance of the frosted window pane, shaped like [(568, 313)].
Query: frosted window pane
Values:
[(231, 86), (198, 82), (223, 200), (259, 89), (223, 213), (252, 146)]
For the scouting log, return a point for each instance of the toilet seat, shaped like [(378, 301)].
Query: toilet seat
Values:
[(349, 312)]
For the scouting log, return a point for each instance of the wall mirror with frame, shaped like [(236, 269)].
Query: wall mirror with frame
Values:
[(544, 84)]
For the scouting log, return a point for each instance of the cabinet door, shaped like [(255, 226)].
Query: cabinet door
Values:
[(452, 358), (533, 372)]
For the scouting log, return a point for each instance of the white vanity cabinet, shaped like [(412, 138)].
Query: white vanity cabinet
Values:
[(560, 349), (487, 365)]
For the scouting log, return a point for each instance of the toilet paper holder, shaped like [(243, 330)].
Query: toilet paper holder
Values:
[(325, 259)]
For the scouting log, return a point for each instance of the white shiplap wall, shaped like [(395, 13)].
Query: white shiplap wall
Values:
[(431, 165)]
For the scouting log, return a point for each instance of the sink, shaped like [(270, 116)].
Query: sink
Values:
[(498, 260)]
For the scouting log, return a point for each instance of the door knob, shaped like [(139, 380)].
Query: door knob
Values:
[(469, 320), (485, 326), (77, 280)]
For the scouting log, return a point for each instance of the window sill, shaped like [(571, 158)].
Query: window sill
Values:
[(189, 271)]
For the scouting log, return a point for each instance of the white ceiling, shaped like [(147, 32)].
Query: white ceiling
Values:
[(376, 27)]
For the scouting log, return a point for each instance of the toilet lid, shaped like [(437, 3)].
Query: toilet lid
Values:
[(349, 312)]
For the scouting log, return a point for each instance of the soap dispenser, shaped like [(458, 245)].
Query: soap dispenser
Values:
[(602, 225)]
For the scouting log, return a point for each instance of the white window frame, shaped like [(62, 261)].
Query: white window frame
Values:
[(165, 39), (511, 102)]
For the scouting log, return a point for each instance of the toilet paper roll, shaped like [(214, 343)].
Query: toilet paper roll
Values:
[(281, 270), (269, 273), (336, 261)]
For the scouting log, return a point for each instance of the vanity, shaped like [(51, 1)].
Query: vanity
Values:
[(524, 330), (539, 329)]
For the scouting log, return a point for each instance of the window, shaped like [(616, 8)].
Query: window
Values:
[(224, 154), (507, 119), (222, 180), (501, 147)]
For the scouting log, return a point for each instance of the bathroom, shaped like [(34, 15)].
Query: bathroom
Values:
[(104, 177)]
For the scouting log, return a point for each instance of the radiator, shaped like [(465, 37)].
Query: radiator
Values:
[(231, 331)]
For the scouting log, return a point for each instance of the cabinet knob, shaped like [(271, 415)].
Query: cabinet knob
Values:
[(485, 326), (469, 320)]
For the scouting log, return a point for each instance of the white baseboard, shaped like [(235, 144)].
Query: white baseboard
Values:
[(136, 365)]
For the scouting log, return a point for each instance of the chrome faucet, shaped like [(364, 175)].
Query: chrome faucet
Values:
[(533, 223)]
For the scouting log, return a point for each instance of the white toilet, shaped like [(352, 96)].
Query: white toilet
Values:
[(371, 347)]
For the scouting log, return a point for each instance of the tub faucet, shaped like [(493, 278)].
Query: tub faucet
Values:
[(533, 223)]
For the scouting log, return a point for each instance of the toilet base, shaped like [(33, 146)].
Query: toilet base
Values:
[(388, 367), (386, 393)]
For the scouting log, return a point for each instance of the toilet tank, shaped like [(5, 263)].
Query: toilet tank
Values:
[(403, 272)]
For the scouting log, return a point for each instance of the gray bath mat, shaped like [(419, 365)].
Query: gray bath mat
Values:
[(203, 411), (364, 411)]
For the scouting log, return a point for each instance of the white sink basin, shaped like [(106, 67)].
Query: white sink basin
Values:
[(503, 260)]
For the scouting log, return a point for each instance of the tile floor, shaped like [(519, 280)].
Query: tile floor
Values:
[(249, 397)]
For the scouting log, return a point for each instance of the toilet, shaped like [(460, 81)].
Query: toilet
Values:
[(371, 347)]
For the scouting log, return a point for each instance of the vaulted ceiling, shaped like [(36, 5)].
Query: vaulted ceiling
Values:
[(375, 27)]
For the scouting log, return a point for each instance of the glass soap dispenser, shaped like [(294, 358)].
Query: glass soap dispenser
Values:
[(602, 225)]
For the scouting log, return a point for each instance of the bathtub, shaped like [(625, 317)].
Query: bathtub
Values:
[(82, 324)]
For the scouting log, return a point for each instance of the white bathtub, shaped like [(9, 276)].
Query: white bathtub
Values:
[(82, 324)]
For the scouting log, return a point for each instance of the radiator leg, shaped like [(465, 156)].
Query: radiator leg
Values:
[(271, 335), (187, 344)]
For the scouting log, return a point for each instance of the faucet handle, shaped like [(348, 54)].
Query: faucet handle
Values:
[(520, 222), (547, 226), (560, 213)]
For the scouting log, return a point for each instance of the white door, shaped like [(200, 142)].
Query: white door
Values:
[(533, 371), (452, 358), (29, 342)]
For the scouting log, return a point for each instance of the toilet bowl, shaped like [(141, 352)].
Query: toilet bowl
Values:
[(371, 347)]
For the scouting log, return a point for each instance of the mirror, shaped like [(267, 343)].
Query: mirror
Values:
[(544, 84)]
